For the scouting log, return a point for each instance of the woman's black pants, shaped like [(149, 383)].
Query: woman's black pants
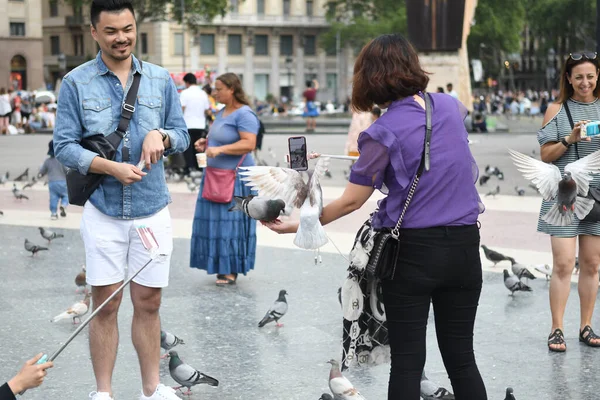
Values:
[(439, 265)]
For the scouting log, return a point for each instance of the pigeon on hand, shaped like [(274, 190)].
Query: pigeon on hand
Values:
[(513, 283), (520, 191), (494, 192), (4, 178), (544, 269), (494, 256), (50, 235), (76, 311), (568, 189), (80, 281), (168, 341), (186, 375), (509, 394), (340, 386), (259, 208), (431, 391), (287, 184), (326, 396), (17, 193), (520, 270), (24, 175), (276, 312), (33, 248)]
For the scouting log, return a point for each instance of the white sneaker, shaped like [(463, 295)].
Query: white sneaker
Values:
[(100, 396), (162, 392)]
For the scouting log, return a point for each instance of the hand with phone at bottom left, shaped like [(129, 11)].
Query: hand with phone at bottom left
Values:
[(31, 375)]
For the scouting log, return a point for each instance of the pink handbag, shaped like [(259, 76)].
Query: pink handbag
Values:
[(219, 183)]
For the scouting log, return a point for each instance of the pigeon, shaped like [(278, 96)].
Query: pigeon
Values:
[(576, 269), (2, 213), (340, 386), (288, 185), (520, 270), (544, 269), (4, 178), (494, 192), (50, 235), (520, 191), (509, 394), (325, 396), (23, 176), (513, 283), (168, 341), (431, 391), (276, 312), (30, 184), (500, 175), (483, 179), (568, 189), (494, 256), (33, 248), (327, 174), (491, 170), (17, 193), (186, 375), (80, 280), (259, 208), (76, 311)]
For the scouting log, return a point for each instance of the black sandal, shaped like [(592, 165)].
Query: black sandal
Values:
[(557, 337), (587, 335)]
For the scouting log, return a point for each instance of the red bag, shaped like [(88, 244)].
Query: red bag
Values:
[(219, 184)]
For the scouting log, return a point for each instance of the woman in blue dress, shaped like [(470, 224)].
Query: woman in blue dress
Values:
[(223, 242)]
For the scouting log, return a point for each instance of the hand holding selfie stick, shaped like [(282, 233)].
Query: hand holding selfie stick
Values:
[(150, 243)]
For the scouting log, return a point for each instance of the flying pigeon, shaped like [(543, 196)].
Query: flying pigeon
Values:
[(276, 312), (520, 270), (17, 193), (33, 248), (432, 391), (4, 178), (30, 184), (76, 311), (544, 269), (520, 191), (568, 189), (494, 192), (168, 341), (24, 175), (50, 235), (483, 179), (325, 396), (259, 208), (340, 386), (186, 375), (288, 185), (494, 256), (513, 283), (509, 394), (80, 280)]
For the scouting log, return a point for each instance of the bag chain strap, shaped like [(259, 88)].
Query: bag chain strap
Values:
[(411, 192)]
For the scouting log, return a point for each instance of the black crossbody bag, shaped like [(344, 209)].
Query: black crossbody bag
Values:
[(386, 246), (593, 193), (80, 187)]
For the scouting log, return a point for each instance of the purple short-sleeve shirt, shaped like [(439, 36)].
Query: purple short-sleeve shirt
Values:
[(390, 153)]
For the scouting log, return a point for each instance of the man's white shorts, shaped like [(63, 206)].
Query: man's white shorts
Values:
[(111, 244)]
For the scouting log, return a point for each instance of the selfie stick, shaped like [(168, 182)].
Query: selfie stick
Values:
[(351, 158)]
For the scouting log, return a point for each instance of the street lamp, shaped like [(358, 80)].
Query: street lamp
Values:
[(288, 64)]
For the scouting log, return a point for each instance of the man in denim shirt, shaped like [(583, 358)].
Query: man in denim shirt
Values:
[(90, 102)]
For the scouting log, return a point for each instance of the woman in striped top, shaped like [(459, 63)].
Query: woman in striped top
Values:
[(561, 143)]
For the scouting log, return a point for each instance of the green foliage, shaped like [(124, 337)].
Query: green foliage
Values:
[(498, 25)]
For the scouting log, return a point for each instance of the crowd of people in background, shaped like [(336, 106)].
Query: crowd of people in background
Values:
[(23, 112)]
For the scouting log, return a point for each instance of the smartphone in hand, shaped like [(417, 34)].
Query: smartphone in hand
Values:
[(298, 154)]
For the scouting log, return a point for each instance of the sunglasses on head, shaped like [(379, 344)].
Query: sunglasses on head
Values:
[(587, 55)]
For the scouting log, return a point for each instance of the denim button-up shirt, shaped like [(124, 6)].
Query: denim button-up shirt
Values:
[(89, 102)]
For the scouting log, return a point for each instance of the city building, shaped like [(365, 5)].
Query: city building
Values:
[(21, 44)]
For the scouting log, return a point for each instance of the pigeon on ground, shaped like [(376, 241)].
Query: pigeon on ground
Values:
[(168, 341), (23, 176), (327, 174), (259, 208), (432, 391), (544, 269), (520, 270), (520, 191), (50, 235), (1, 212), (76, 311), (513, 283), (276, 312), (340, 386), (483, 179), (33, 248), (569, 189), (80, 281), (30, 184), (576, 269), (494, 192), (509, 394), (4, 178), (186, 375), (494, 256), (326, 396), (17, 193), (500, 175), (288, 185)]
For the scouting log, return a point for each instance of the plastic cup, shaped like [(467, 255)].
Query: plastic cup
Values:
[(201, 160)]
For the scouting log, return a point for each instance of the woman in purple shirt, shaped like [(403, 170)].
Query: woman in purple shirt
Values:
[(439, 260)]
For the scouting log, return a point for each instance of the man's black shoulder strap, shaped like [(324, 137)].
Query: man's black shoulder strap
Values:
[(129, 106)]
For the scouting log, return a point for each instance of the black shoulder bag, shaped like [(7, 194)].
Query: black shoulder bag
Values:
[(593, 193), (80, 187), (386, 246)]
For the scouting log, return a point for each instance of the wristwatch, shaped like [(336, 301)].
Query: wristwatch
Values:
[(163, 133), (563, 141)]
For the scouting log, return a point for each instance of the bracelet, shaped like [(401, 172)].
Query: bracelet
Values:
[(564, 142)]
